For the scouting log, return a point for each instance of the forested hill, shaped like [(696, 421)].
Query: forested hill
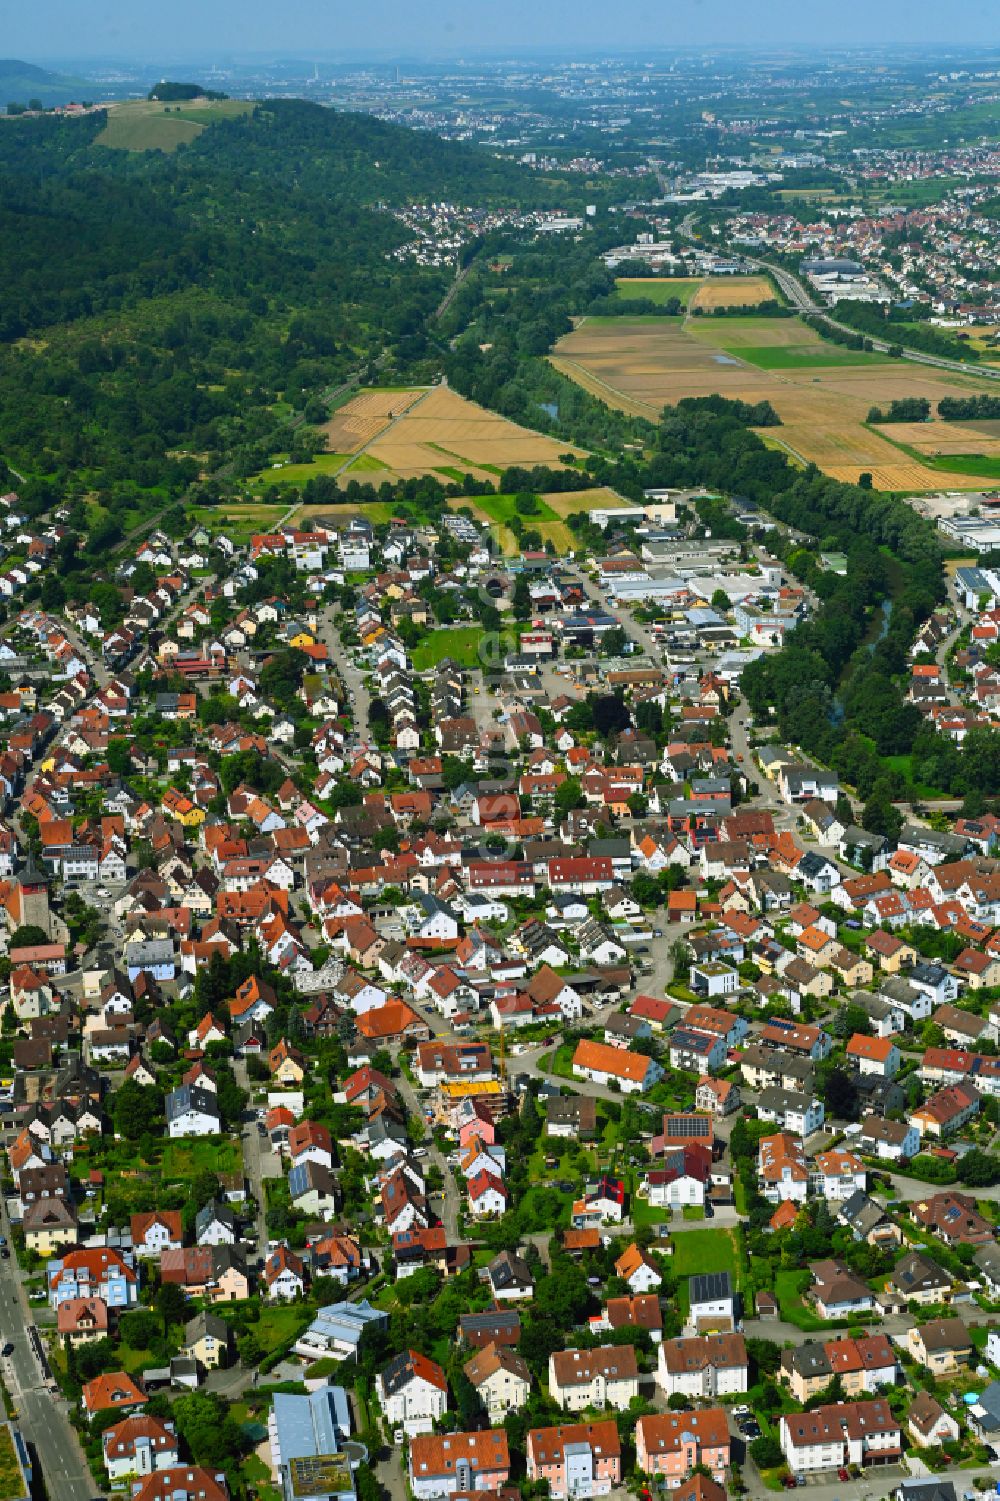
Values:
[(365, 161), (87, 229), (164, 315)]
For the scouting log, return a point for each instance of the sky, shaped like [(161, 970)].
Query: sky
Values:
[(140, 30)]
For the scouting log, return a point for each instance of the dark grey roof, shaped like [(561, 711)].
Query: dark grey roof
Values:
[(916, 1273), (509, 1270), (809, 1359), (709, 1287), (925, 1490), (491, 1318)]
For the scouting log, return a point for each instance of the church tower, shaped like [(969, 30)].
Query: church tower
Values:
[(33, 894)]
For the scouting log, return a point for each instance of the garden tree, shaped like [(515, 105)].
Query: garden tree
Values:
[(648, 716), (850, 1019), (249, 1348), (281, 676), (467, 1405), (638, 805), (766, 1453), (979, 1169), (568, 795), (521, 597), (136, 1109), (118, 756), (879, 815), (680, 957), (563, 1294), (209, 1432), (647, 889), (366, 1484), (610, 714), (28, 936), (764, 1357), (94, 1359), (139, 1328), (838, 1090), (171, 1304), (720, 601)]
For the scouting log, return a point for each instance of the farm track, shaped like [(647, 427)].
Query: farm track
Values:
[(603, 389)]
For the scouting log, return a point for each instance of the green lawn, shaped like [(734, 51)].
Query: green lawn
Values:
[(803, 356), (297, 474), (643, 1215), (660, 290), (904, 765), (182, 1159), (502, 508), (460, 642), (277, 1326), (793, 1310), (602, 320), (705, 1251), (967, 463), (366, 463)]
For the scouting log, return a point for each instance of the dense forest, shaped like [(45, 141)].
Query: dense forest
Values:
[(503, 323), (969, 408)]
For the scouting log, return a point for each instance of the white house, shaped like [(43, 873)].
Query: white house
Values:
[(638, 1269), (711, 1300), (801, 1114), (192, 1111), (607, 1376), (890, 1140), (441, 1465), (708, 1365), (843, 1433), (413, 1392)]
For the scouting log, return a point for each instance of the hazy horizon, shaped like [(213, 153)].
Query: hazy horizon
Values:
[(444, 29)]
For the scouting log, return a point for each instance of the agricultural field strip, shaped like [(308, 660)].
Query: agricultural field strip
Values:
[(823, 426)]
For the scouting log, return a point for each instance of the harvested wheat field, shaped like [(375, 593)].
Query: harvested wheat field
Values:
[(940, 438), (364, 417), (821, 391), (442, 431), (733, 291)]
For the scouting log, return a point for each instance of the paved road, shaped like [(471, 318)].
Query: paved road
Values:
[(42, 1417), (352, 676), (451, 1197), (259, 1162)]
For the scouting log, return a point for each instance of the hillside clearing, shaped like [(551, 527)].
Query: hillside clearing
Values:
[(148, 125)]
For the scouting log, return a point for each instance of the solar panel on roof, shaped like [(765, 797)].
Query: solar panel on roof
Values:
[(685, 1125)]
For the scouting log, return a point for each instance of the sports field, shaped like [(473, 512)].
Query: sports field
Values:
[(822, 391), (148, 125)]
